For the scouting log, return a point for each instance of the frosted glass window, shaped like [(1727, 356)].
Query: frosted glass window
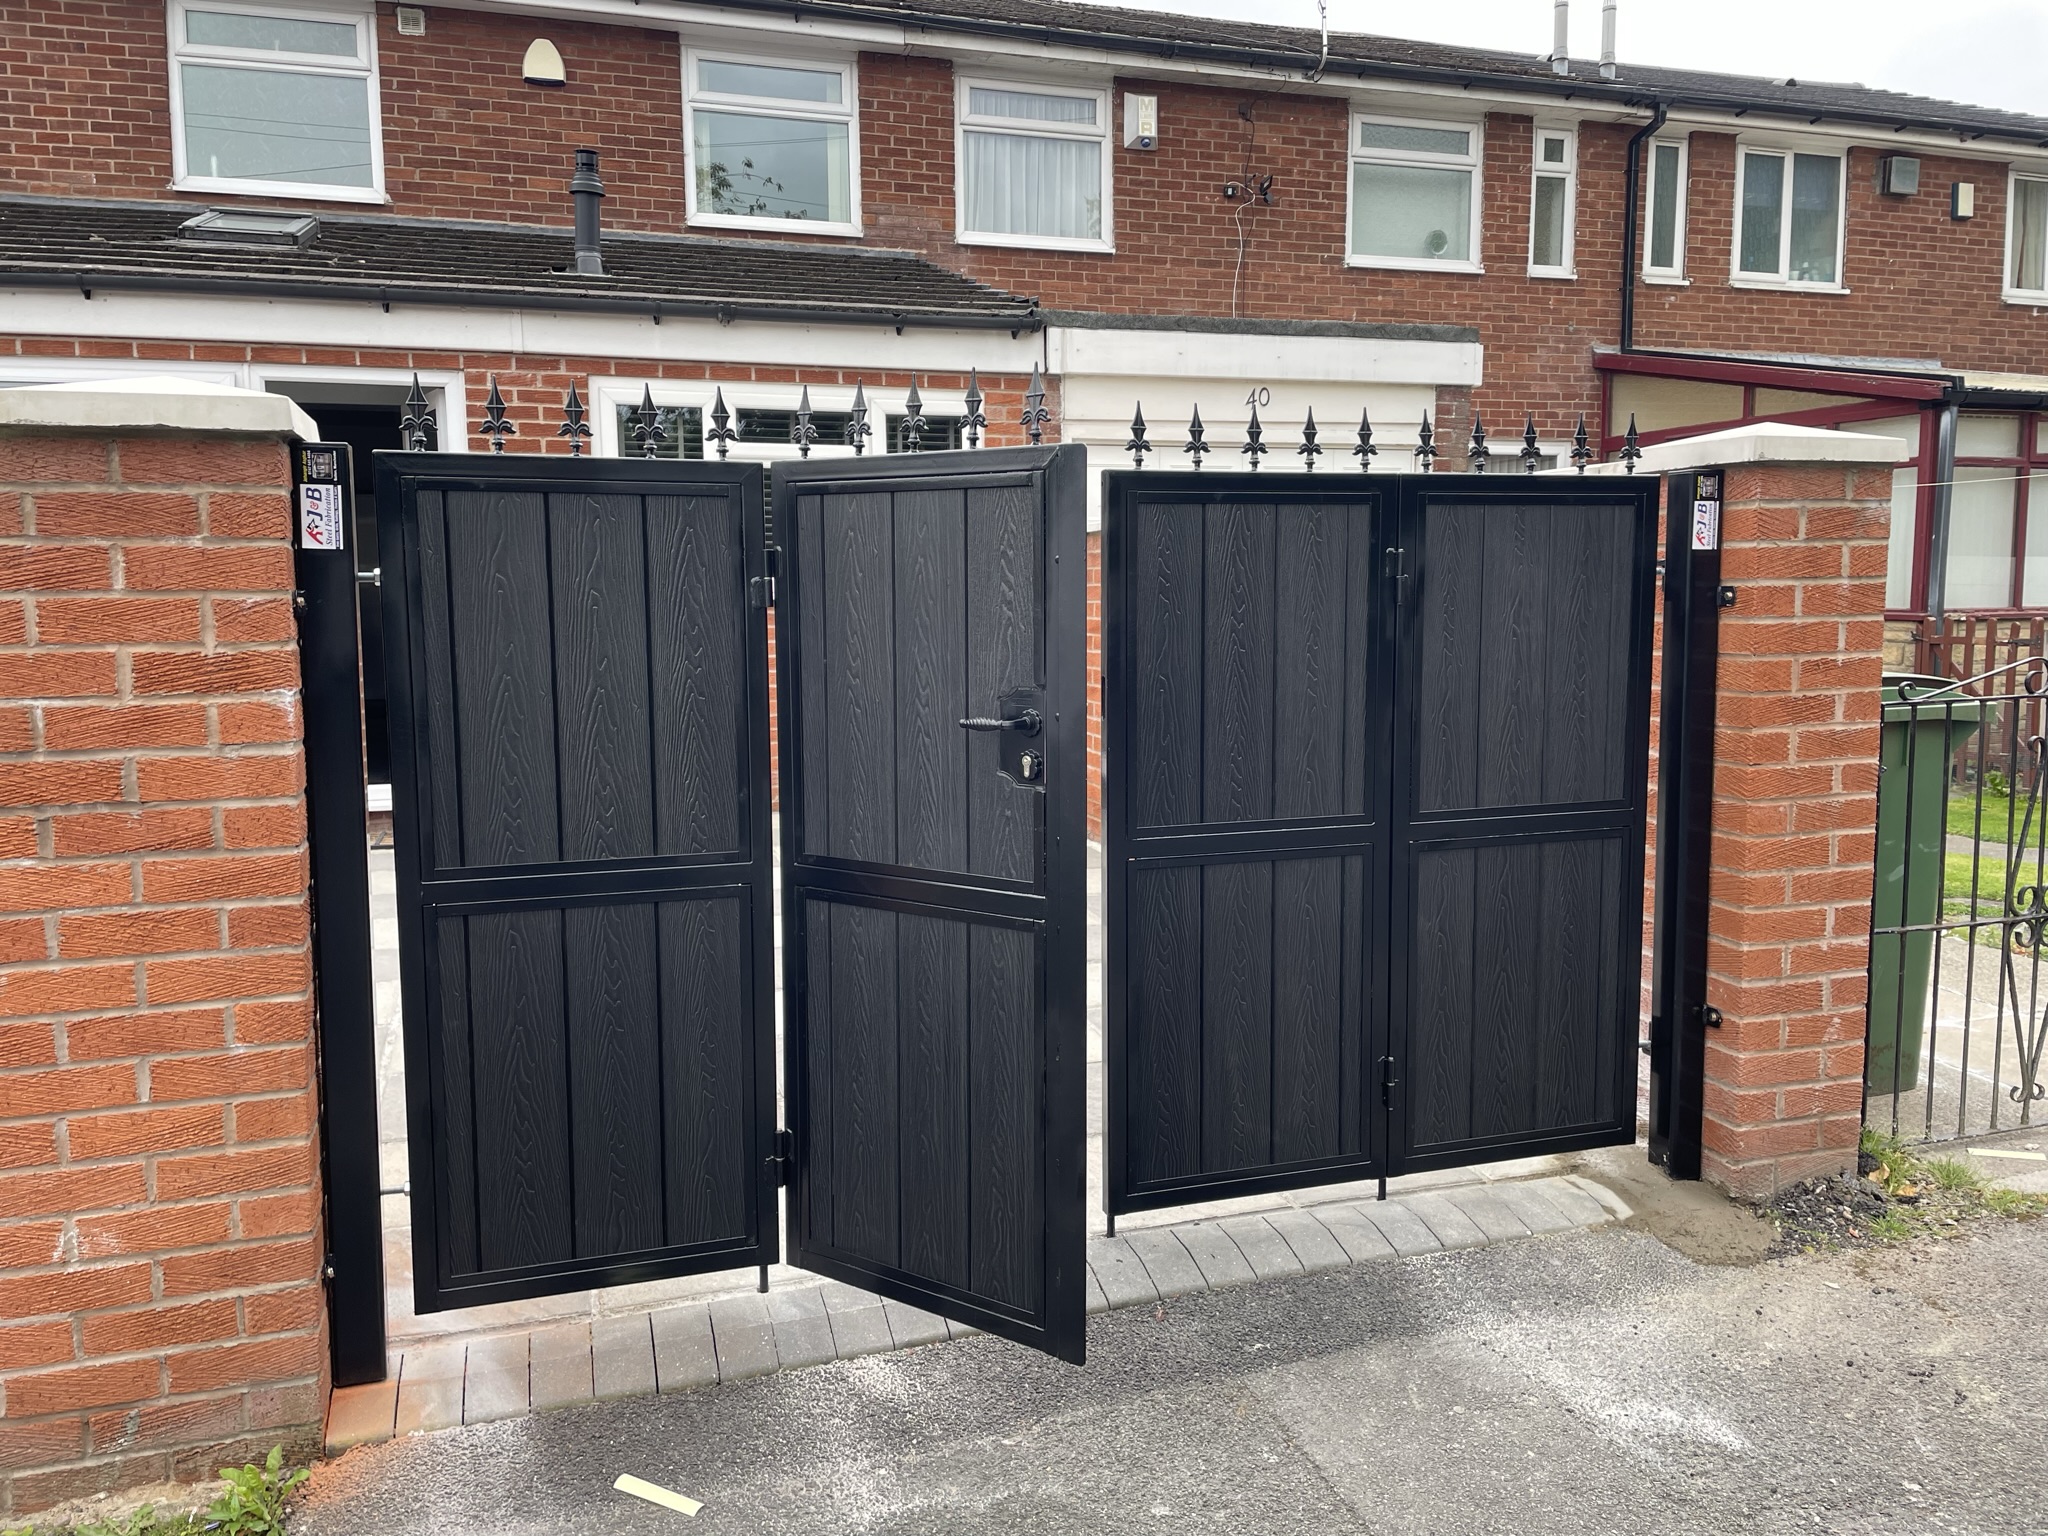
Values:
[(1033, 165), (1790, 224), (1987, 437), (771, 143), (1667, 209), (2029, 235), (1550, 204), (2034, 588), (271, 34), (274, 100), (774, 82), (1413, 194), (1980, 538), (1898, 565)]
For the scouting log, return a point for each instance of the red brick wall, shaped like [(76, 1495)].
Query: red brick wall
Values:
[(160, 1300), (86, 82), (1795, 812)]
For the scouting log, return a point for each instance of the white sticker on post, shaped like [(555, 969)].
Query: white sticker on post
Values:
[(320, 518), (1706, 525)]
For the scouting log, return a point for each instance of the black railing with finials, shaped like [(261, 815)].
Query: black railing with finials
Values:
[(1957, 1011), (646, 429)]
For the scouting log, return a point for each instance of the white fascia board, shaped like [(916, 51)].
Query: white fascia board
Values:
[(426, 328), (153, 403), (1832, 136), (1072, 350)]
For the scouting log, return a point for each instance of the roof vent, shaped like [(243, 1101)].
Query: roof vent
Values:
[(237, 226)]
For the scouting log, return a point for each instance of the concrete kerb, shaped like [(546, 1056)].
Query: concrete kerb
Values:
[(677, 1349)]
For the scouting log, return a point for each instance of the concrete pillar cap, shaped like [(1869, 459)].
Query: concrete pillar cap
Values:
[(152, 403), (1763, 442)]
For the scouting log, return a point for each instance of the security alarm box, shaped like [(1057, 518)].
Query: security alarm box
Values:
[(1141, 122), (1962, 200), (1899, 175)]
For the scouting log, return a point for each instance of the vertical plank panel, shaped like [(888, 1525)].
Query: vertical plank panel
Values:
[(1363, 738), (857, 657), (1358, 945), (865, 1105), (1311, 568), (456, 1131), (1513, 713), (615, 1085), (1615, 1007), (812, 665), (522, 1100), (931, 680), (1007, 1104), (600, 618), (706, 968), (696, 596), (1613, 535), (1164, 742), (1568, 1016), (1570, 770), (1440, 1106), (814, 1038), (1237, 712), (1308, 1007), (1004, 650), (1163, 1022), (1237, 1015), (1452, 592), (1507, 914), (504, 677), (443, 767), (933, 1013)]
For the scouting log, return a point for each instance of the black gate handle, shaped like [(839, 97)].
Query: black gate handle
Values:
[(1028, 722)]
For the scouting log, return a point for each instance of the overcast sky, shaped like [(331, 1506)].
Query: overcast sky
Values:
[(1991, 53)]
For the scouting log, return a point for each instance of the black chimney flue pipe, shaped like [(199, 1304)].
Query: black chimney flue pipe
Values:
[(588, 188)]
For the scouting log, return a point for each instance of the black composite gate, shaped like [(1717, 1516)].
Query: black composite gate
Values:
[(930, 639), (579, 705), (579, 730), (1375, 779)]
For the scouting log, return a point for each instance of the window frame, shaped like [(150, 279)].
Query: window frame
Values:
[(2030, 460), (2012, 293), (965, 121), (1567, 268), (363, 66), (1675, 273), (1781, 279), (1473, 161), (847, 111)]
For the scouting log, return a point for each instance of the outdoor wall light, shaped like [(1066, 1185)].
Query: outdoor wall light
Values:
[(543, 64)]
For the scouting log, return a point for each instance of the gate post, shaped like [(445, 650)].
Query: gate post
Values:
[(1804, 524)]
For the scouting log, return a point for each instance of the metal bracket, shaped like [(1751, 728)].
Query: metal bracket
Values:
[(1394, 567), (761, 590), (1388, 1082), (1710, 1016), (1724, 597), (784, 1160)]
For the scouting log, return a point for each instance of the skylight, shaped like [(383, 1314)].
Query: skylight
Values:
[(233, 226)]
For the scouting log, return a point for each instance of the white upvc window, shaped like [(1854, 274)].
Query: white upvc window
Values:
[(773, 143), (1033, 165), (1553, 202), (1788, 217), (269, 99), (2026, 240), (1414, 194), (1664, 219)]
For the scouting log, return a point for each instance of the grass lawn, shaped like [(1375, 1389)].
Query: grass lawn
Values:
[(1997, 817)]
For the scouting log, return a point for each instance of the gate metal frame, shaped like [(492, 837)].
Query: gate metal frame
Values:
[(1062, 950), (1389, 835), (400, 476)]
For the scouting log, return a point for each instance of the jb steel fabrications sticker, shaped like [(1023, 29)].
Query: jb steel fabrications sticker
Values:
[(320, 517)]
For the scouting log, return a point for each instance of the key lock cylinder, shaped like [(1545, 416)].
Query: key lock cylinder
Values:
[(1019, 728)]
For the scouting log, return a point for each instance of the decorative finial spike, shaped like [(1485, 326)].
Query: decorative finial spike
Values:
[(721, 431), (1196, 447), (1255, 439), (1364, 452), (1582, 447), (1631, 447), (913, 419), (1475, 455), (418, 423), (496, 427), (647, 424), (573, 426), (1425, 447), (1532, 456), (1035, 413), (857, 428), (973, 423), (1138, 447), (1310, 449)]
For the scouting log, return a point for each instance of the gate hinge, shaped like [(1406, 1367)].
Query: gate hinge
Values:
[(1388, 1082), (784, 1160), (1394, 568), (761, 590)]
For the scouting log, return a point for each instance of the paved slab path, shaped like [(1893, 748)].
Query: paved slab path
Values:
[(1579, 1381)]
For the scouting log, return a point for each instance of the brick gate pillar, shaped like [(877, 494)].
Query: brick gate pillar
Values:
[(161, 1307), (1804, 527)]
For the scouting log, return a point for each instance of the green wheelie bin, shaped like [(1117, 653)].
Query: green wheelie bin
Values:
[(1926, 723)]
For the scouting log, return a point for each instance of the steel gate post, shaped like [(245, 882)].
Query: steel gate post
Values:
[(330, 672), (1679, 1013)]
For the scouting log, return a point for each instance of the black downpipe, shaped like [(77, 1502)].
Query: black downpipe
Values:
[(1631, 204)]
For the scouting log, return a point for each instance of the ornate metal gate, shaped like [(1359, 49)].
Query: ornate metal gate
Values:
[(1376, 758)]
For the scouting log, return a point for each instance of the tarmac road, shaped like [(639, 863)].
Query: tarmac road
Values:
[(1595, 1382)]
